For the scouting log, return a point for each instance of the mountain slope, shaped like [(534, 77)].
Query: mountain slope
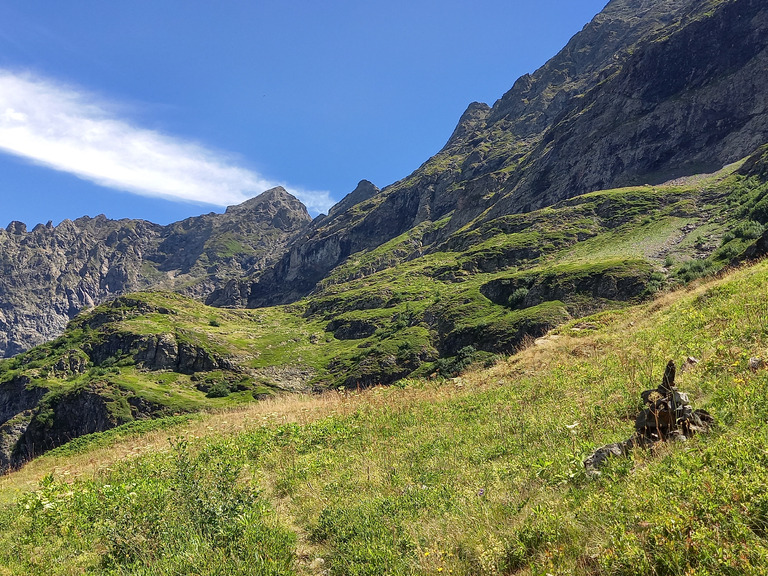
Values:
[(391, 312), (517, 307), (645, 93), (424, 277), (688, 100)]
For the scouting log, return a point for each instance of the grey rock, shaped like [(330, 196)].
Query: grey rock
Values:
[(19, 395), (344, 329), (365, 190), (679, 398), (11, 431), (165, 354), (689, 364), (598, 458), (74, 362), (29, 428)]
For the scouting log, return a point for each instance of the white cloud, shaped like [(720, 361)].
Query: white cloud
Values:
[(74, 131)]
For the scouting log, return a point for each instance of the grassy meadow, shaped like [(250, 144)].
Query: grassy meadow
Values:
[(478, 474)]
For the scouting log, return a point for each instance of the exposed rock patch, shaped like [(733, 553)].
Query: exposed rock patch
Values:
[(620, 282), (289, 378)]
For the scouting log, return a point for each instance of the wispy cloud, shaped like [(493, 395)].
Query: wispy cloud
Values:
[(72, 130)]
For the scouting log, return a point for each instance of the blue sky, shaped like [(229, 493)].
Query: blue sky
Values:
[(164, 109)]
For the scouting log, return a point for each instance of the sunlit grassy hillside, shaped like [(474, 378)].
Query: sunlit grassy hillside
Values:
[(481, 474)]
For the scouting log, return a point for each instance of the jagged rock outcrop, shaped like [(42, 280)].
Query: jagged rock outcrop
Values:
[(17, 396), (155, 352), (72, 386), (51, 273), (620, 281), (365, 190), (93, 408)]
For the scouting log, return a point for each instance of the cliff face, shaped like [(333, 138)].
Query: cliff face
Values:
[(51, 273), (687, 100), (648, 91)]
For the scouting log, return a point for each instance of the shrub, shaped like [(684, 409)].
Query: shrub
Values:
[(760, 210), (518, 297), (727, 252), (749, 230), (655, 283), (180, 513), (693, 269), (218, 390), (451, 366)]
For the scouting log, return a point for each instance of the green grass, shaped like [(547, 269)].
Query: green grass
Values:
[(476, 475), (176, 513), (89, 442)]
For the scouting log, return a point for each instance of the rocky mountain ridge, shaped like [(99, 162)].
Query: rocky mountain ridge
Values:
[(51, 273)]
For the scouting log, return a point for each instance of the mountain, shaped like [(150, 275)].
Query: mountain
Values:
[(522, 294), (51, 273), (476, 475), (384, 315), (647, 92), (633, 162)]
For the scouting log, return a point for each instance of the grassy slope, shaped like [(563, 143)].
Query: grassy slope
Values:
[(661, 235), (476, 475), (412, 307)]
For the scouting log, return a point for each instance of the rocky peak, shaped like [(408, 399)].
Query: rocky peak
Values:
[(647, 91), (471, 121), (53, 273), (682, 93), (276, 205), (16, 227), (589, 57), (364, 191), (278, 194)]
